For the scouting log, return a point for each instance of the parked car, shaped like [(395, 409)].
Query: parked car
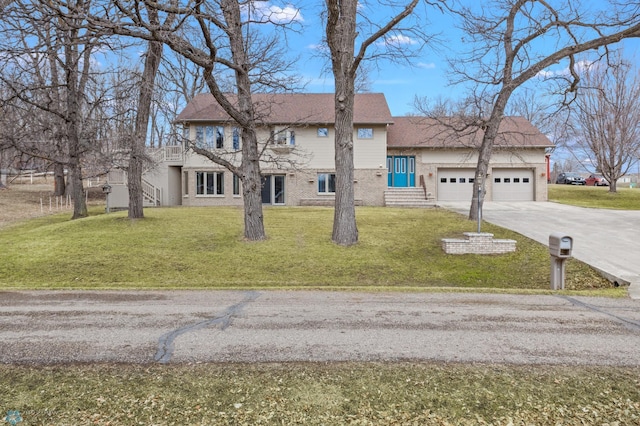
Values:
[(570, 178), (596, 180)]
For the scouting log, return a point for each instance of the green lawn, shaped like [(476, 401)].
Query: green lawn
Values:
[(203, 248), (596, 197)]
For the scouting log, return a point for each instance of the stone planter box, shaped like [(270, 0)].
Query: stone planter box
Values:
[(477, 243)]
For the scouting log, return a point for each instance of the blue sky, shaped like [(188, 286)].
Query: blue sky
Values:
[(400, 83)]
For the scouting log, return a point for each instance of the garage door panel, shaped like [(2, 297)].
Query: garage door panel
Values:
[(455, 184), (513, 185)]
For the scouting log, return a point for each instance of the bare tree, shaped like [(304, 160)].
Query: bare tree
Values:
[(342, 33), (223, 40), (607, 118), (511, 42), (143, 113), (48, 60)]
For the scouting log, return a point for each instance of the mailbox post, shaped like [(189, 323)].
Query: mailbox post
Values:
[(106, 189), (560, 249)]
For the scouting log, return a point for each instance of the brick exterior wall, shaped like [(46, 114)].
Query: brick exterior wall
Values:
[(477, 243)]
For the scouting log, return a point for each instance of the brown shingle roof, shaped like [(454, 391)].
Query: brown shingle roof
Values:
[(423, 132), (308, 108)]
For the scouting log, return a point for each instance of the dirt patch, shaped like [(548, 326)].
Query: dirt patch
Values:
[(20, 201)]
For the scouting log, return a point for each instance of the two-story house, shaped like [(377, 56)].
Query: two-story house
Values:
[(397, 160)]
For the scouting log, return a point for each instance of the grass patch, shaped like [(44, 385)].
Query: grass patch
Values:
[(203, 248), (595, 197), (316, 394)]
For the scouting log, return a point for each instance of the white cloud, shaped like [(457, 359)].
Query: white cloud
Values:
[(426, 65), (580, 67), (318, 47), (264, 11), (545, 74), (398, 40)]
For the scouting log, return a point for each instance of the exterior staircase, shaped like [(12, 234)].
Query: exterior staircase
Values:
[(151, 195), (407, 197)]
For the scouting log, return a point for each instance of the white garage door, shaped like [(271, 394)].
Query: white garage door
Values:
[(512, 185), (455, 184)]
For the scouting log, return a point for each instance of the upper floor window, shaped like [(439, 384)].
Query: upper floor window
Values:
[(210, 137), (365, 133), (323, 132), (236, 138), (283, 137), (219, 137)]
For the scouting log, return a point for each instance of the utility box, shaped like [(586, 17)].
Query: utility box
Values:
[(560, 245)]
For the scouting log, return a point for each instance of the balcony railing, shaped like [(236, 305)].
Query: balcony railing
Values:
[(173, 153), (167, 153)]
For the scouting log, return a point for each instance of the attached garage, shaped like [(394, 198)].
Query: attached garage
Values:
[(455, 184), (446, 159), (513, 185)]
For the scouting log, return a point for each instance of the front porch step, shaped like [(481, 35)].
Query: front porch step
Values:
[(407, 197)]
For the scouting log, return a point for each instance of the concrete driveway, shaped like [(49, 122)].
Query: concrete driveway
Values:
[(608, 240)]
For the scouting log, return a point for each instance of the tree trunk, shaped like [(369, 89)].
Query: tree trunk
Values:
[(486, 149), (59, 183), (136, 158), (73, 132), (244, 115), (341, 35), (75, 172), (134, 183), (345, 230), (251, 187), (77, 190)]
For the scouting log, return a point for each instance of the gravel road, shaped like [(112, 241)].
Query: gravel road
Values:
[(276, 326)]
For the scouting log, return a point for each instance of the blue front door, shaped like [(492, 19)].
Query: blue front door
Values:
[(401, 171)]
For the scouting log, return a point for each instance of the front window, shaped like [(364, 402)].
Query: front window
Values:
[(323, 132), (326, 183), (236, 185), (209, 183)]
